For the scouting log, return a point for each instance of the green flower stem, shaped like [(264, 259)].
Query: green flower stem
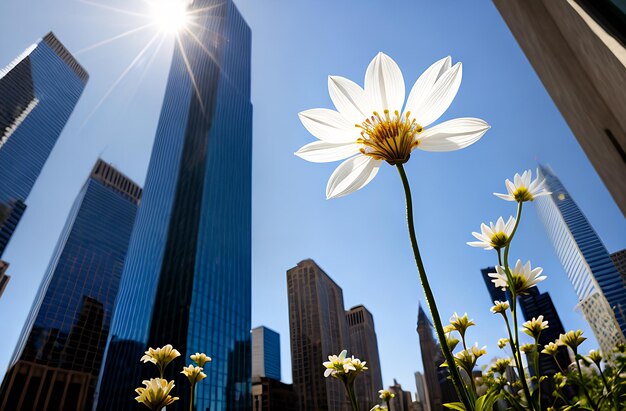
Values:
[(430, 299), (583, 385), (191, 398), (518, 360), (388, 405), (538, 371), (352, 395)]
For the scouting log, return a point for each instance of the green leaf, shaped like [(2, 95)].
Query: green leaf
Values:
[(455, 406), (485, 403)]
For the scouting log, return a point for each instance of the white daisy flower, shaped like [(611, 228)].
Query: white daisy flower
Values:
[(495, 235), (370, 124), (522, 189), (522, 276), (338, 364)]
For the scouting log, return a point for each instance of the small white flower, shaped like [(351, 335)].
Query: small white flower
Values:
[(535, 326), (522, 276), (370, 124), (495, 235), (522, 189)]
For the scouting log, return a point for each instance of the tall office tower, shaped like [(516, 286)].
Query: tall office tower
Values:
[(57, 360), (317, 326), (186, 280), (4, 278), (38, 92), (577, 49), (439, 387), (402, 400), (363, 344), (422, 391), (265, 353), (496, 294), (586, 261), (619, 260), (533, 305)]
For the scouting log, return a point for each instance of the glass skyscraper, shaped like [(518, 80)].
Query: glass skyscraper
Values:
[(265, 353), (57, 360), (38, 92), (586, 261), (187, 277)]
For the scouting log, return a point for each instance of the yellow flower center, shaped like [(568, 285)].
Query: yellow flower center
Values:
[(499, 240), (522, 194), (389, 138)]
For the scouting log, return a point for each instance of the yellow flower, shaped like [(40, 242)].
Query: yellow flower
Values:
[(572, 339), (200, 359), (386, 395), (595, 357), (161, 357), (500, 307), (194, 374), (535, 326), (451, 341), (478, 352), (527, 348), (155, 394), (550, 349), (500, 365), (359, 366), (338, 365), (502, 342), (461, 324)]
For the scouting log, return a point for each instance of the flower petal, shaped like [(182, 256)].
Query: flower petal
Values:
[(349, 99), (425, 82), (329, 125), (452, 135), (323, 152), (384, 84), (351, 175), (440, 96)]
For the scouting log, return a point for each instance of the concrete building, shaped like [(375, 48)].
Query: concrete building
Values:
[(439, 388), (619, 260), (577, 49), (422, 393), (402, 400), (317, 325), (272, 395), (320, 327), (363, 344), (265, 353)]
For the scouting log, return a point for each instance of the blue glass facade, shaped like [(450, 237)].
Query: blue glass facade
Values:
[(57, 361), (186, 280), (38, 92), (265, 353), (586, 262)]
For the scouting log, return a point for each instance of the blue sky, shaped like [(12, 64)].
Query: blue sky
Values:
[(360, 240)]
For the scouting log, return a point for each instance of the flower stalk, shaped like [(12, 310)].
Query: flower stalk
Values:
[(430, 299)]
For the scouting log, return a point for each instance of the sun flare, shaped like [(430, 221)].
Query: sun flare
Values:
[(169, 15)]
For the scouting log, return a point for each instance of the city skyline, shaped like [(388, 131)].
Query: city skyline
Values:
[(295, 221)]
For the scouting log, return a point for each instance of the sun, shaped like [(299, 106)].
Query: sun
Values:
[(169, 15)]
